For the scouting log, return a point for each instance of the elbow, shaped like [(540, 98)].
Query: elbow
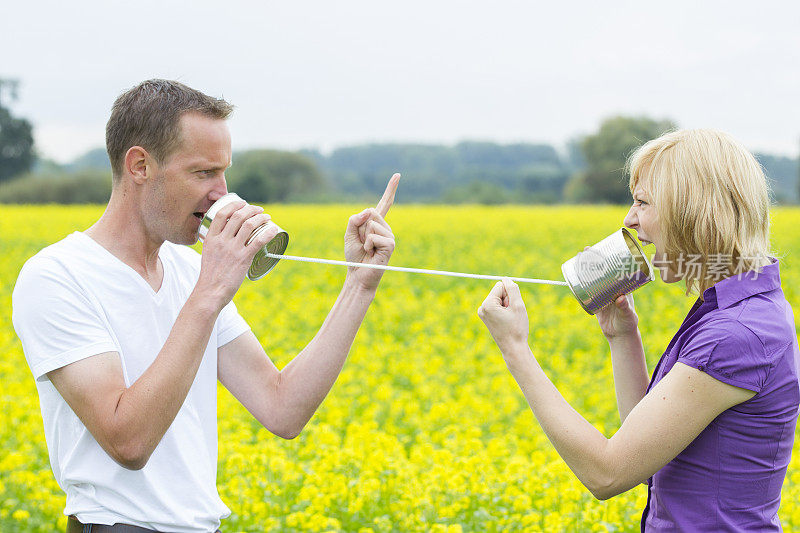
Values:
[(283, 427), (604, 488), (289, 432), (602, 493), (131, 455)]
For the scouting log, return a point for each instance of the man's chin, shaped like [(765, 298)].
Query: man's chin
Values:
[(186, 240)]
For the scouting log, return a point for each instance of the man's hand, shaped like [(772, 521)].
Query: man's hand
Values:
[(226, 258), (370, 240)]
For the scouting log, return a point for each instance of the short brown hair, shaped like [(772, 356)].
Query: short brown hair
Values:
[(149, 114)]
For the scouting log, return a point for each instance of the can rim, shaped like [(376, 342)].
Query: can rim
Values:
[(631, 240), (585, 298)]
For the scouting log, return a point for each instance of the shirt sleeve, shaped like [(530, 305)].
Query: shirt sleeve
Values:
[(55, 320), (730, 353), (230, 325)]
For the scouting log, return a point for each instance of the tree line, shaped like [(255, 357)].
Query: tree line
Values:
[(589, 170)]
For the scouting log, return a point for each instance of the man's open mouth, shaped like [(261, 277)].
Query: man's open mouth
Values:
[(199, 215)]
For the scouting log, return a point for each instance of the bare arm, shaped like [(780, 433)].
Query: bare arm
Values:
[(284, 401), (129, 422), (619, 324), (676, 410)]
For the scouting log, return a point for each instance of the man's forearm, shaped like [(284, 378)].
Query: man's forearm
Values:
[(148, 407), (308, 378)]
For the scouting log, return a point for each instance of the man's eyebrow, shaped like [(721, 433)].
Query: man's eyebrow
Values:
[(210, 166)]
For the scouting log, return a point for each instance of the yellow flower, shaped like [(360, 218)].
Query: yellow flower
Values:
[(425, 429)]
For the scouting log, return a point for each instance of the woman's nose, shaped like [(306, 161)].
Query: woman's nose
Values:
[(631, 220)]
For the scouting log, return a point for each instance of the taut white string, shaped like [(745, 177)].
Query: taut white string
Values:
[(412, 270)]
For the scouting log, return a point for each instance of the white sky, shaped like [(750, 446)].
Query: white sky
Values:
[(331, 73)]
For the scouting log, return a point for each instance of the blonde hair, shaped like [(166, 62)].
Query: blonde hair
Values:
[(712, 200)]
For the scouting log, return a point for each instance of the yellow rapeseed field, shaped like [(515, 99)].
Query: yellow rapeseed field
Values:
[(425, 430)]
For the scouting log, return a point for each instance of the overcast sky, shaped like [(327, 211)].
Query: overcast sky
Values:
[(332, 73)]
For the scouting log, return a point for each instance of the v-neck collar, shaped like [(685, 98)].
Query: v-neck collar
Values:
[(158, 294)]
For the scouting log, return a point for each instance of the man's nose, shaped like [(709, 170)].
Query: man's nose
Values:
[(220, 189)]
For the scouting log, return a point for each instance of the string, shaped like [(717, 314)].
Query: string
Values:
[(412, 270)]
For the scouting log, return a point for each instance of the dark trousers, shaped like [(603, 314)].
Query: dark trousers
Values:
[(74, 526)]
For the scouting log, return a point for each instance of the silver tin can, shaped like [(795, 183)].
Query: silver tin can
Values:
[(614, 266), (261, 264)]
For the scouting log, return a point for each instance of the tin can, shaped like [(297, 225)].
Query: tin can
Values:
[(614, 266), (261, 264)]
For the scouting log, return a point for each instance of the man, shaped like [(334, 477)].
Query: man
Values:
[(127, 332)]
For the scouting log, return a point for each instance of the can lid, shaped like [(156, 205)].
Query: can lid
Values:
[(262, 264)]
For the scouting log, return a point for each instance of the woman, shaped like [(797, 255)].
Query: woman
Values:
[(712, 432)]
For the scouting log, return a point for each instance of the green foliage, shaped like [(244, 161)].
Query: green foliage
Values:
[(783, 175), (96, 158), (16, 138), (605, 154), (265, 176), (478, 192), (436, 172), (84, 187)]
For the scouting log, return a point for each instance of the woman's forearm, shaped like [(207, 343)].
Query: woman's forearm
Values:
[(630, 371), (579, 443)]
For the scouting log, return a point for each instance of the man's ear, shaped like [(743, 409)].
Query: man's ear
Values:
[(138, 164)]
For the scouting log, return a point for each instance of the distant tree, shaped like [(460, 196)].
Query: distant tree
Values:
[(88, 186), (478, 192), (782, 173), (575, 159), (430, 171), (272, 176), (16, 136), (96, 158), (363, 170), (605, 154)]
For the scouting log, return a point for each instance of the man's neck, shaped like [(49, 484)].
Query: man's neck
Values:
[(121, 231)]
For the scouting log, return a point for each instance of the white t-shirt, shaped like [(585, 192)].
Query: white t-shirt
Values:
[(75, 299)]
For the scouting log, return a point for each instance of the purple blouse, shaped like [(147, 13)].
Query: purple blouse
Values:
[(729, 478)]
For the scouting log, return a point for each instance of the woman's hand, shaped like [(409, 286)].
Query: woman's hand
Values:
[(619, 319), (503, 312)]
